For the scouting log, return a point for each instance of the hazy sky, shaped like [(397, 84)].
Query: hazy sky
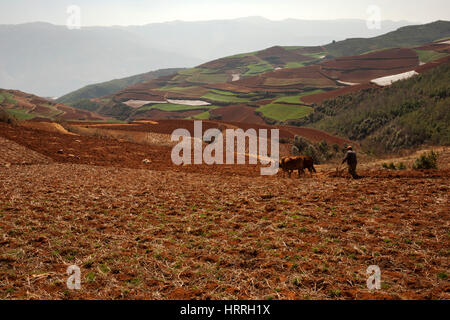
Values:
[(138, 12)]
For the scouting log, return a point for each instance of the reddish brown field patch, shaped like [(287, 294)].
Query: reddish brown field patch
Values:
[(141, 234), (239, 113), (157, 231), (372, 65)]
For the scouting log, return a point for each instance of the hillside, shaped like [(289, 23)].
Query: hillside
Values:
[(407, 114), (409, 36), (275, 85), (106, 88), (25, 106), (51, 60)]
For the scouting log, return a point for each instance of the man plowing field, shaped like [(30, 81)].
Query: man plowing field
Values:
[(352, 162)]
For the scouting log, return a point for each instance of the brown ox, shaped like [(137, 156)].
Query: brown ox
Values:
[(291, 164), (308, 163), (299, 163)]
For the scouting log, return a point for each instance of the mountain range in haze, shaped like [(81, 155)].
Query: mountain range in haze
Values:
[(50, 60)]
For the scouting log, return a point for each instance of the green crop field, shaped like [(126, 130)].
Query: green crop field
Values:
[(291, 65), (288, 99), (316, 55), (8, 97), (223, 98), (190, 72), (177, 89), (243, 55), (208, 78), (297, 98), (283, 112), (258, 68), (52, 111), (20, 114), (429, 55), (223, 93), (202, 116), (279, 82), (292, 47)]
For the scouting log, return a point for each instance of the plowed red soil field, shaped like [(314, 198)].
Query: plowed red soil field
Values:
[(282, 55), (440, 47), (432, 64), (372, 65), (159, 114), (167, 126), (162, 232), (239, 113), (311, 76)]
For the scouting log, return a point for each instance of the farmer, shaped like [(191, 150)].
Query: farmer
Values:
[(352, 162)]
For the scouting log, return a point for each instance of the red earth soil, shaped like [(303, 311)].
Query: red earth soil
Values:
[(145, 234), (289, 132), (37, 105), (77, 114), (282, 55), (238, 113), (432, 64), (372, 65), (168, 126), (64, 148), (159, 114), (144, 95), (208, 232), (230, 87), (439, 47)]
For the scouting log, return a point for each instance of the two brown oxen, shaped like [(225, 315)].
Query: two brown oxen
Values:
[(299, 163)]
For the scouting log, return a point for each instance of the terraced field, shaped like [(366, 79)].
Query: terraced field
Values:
[(283, 112), (24, 106), (278, 75)]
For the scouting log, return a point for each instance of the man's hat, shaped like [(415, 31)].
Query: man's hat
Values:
[(349, 148)]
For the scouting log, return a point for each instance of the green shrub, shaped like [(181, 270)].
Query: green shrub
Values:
[(401, 166), (7, 118), (427, 160), (301, 143), (391, 166), (320, 152)]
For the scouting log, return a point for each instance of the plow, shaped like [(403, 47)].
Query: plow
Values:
[(338, 173)]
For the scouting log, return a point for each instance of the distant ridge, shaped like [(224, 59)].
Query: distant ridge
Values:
[(404, 37)]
